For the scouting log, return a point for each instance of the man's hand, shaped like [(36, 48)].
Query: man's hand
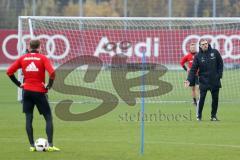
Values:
[(47, 87), (186, 83), (50, 83), (21, 86)]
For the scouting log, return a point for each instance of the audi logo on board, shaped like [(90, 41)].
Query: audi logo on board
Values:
[(50, 45), (226, 43)]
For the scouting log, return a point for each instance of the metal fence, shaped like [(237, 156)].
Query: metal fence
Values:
[(11, 9)]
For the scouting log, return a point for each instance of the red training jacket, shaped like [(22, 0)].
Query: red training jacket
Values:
[(33, 66), (187, 59)]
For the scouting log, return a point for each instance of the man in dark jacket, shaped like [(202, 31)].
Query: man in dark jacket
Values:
[(210, 65)]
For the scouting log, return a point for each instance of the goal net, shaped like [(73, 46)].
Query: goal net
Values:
[(126, 58)]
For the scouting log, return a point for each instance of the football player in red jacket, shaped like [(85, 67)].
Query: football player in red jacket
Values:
[(34, 65), (189, 59)]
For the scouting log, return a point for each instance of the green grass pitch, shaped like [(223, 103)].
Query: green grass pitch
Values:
[(116, 135)]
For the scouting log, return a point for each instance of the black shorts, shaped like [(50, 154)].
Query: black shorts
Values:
[(195, 81), (30, 99)]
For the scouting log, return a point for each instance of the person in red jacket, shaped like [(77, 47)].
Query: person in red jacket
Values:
[(34, 65), (189, 59)]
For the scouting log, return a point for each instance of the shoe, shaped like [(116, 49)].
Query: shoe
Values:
[(52, 149), (214, 119), (32, 149)]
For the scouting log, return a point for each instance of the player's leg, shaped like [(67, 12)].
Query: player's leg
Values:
[(49, 128), (203, 93), (28, 106), (44, 109), (215, 94), (29, 128), (192, 85), (194, 95), (49, 131)]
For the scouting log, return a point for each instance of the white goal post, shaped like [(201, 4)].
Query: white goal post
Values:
[(142, 42)]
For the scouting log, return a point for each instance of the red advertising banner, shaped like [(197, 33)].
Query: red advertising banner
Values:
[(159, 46)]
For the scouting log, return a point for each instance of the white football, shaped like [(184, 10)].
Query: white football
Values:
[(41, 144)]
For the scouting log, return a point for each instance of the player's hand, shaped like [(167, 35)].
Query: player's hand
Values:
[(47, 87), (186, 83), (21, 86)]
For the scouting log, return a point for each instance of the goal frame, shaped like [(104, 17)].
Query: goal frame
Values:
[(30, 18)]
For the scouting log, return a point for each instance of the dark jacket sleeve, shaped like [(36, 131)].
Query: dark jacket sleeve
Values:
[(14, 80), (193, 70), (219, 65)]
